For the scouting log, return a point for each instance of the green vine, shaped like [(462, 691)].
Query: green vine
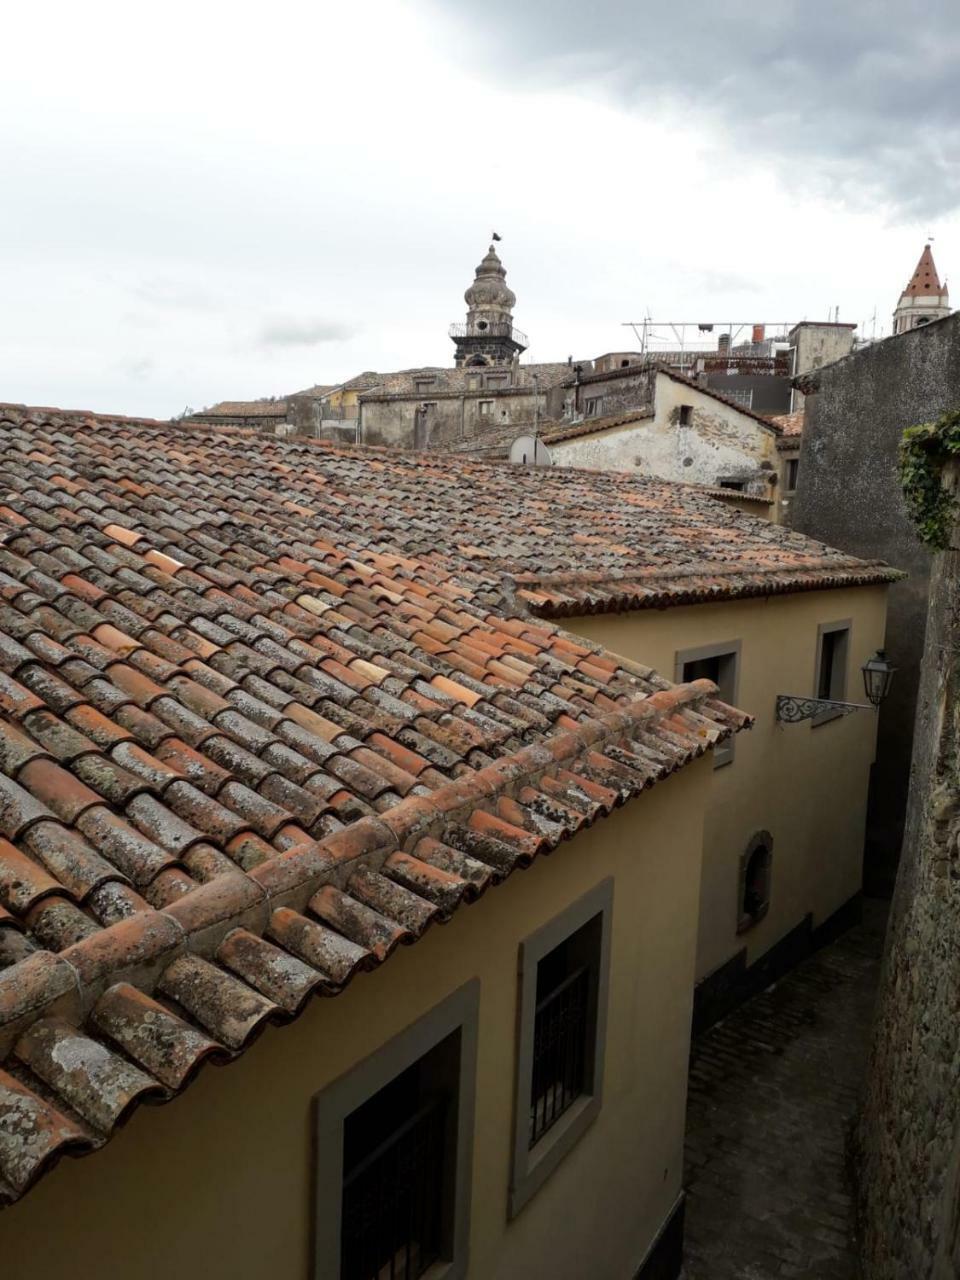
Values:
[(924, 451)]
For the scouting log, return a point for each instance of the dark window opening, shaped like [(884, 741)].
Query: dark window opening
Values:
[(594, 407), (624, 364), (686, 415), (481, 324), (793, 467), (832, 675), (398, 1162), (737, 486), (564, 1025)]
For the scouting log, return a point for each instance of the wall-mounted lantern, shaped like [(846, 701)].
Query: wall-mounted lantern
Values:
[(877, 678)]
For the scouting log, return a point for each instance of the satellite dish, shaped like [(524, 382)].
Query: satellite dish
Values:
[(530, 451)]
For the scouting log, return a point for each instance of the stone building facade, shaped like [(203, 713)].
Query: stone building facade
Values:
[(813, 345), (848, 494), (910, 1128)]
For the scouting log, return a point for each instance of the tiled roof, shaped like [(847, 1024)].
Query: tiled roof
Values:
[(791, 429), (790, 424), (255, 734), (244, 409), (925, 282)]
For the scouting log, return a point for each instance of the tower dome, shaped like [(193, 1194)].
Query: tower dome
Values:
[(490, 288), (488, 337)]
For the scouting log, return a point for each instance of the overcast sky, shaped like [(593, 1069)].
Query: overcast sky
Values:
[(212, 200)]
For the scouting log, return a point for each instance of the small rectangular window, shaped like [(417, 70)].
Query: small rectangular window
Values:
[(473, 382), (833, 644), (593, 407), (793, 466), (393, 1156), (686, 415), (564, 975), (737, 486), (425, 384), (485, 408), (721, 664)]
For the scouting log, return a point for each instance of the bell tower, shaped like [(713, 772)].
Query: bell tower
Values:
[(924, 299), (488, 337)]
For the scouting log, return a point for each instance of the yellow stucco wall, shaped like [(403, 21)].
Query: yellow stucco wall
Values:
[(218, 1183), (807, 786)]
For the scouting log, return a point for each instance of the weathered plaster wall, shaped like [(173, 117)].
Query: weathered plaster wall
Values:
[(218, 1184), (806, 785), (719, 442), (910, 1128), (400, 420), (620, 394), (849, 496)]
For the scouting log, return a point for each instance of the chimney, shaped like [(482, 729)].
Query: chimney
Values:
[(759, 332), (723, 343)]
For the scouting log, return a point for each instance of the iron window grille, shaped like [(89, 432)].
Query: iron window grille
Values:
[(559, 1051), (392, 1221)]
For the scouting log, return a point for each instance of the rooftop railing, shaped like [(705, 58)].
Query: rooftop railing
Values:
[(494, 329)]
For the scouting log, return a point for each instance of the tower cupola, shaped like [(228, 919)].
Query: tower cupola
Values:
[(488, 337), (924, 299)]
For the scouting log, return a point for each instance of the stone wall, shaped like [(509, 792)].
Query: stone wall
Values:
[(910, 1128), (403, 421), (848, 495)]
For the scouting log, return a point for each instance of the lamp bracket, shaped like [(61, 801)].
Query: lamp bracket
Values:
[(792, 708)]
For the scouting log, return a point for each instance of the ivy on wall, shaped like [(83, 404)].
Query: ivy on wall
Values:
[(924, 451)]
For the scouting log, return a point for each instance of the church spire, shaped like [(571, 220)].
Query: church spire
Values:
[(924, 299)]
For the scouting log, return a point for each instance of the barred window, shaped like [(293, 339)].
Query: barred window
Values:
[(564, 974)]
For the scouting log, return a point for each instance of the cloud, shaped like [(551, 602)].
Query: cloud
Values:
[(292, 332), (857, 99)]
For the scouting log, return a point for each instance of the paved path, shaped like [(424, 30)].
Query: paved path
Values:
[(773, 1089)]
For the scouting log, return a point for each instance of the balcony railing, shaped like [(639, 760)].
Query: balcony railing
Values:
[(494, 329)]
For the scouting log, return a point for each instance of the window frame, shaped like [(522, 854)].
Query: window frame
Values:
[(685, 415), (339, 1099), (532, 1166), (824, 629), (593, 407), (791, 471), (485, 408), (725, 752), (748, 920)]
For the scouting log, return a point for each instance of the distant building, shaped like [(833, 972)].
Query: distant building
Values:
[(924, 299), (788, 452), (650, 420), (812, 345)]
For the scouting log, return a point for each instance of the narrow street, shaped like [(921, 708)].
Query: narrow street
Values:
[(773, 1089)]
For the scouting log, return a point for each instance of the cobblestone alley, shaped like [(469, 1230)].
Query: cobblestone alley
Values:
[(773, 1089)]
